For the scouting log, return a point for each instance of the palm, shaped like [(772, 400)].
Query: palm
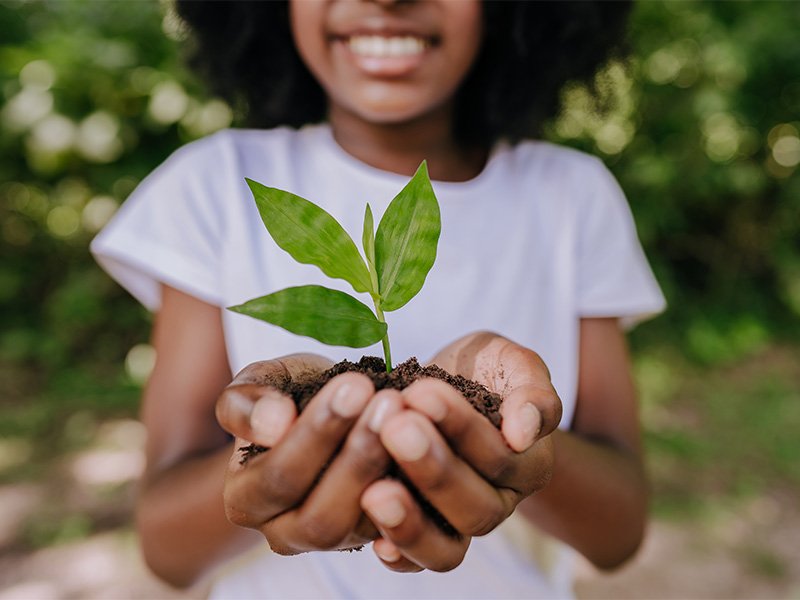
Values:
[(494, 361)]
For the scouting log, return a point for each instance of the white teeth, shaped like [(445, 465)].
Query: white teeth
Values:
[(375, 46)]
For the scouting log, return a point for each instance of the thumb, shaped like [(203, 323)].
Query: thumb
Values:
[(530, 412), (256, 413), (522, 421)]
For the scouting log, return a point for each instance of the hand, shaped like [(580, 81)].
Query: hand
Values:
[(303, 494), (472, 473)]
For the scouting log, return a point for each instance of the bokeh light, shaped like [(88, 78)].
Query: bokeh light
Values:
[(97, 212), (139, 362), (98, 138), (168, 102)]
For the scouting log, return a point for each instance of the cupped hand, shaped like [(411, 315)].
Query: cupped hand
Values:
[(473, 474), (303, 494)]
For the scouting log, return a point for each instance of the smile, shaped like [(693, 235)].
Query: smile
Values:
[(376, 46)]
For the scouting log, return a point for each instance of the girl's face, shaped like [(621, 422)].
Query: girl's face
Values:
[(388, 62)]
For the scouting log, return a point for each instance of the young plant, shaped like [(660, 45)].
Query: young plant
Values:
[(398, 258)]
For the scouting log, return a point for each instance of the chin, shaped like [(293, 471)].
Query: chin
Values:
[(388, 117), (388, 100), (390, 111)]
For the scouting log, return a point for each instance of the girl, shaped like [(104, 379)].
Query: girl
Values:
[(347, 97)]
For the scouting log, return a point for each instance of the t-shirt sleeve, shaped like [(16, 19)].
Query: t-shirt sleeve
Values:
[(169, 230), (614, 277)]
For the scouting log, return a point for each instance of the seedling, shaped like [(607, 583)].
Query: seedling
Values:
[(396, 260)]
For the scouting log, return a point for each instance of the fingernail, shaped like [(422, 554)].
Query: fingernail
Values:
[(380, 413), (408, 443), (530, 423), (240, 403), (389, 554), (435, 408), (346, 403), (389, 513), (267, 421)]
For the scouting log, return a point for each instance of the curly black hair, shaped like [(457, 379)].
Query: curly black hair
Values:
[(530, 50)]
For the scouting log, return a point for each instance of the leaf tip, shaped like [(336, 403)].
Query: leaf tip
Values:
[(254, 186)]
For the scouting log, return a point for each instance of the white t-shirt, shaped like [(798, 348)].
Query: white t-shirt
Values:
[(540, 238)]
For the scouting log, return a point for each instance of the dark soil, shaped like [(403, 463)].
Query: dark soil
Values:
[(484, 401)]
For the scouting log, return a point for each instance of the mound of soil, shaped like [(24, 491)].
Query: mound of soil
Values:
[(484, 401)]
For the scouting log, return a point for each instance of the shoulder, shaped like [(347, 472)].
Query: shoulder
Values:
[(554, 174), (216, 165), (550, 158), (230, 144)]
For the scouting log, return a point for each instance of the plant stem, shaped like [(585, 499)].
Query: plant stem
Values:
[(387, 351)]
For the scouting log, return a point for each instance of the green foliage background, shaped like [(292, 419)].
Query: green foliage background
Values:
[(701, 129)]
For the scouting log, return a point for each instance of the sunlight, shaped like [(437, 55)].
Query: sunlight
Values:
[(32, 590), (38, 75), (168, 103), (786, 151), (92, 565), (26, 108), (97, 212), (122, 434), (721, 133), (208, 118), (98, 138), (103, 467), (63, 221), (139, 362)]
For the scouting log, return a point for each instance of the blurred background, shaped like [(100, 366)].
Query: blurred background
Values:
[(702, 128)]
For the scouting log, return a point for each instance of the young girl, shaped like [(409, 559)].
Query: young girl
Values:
[(537, 246)]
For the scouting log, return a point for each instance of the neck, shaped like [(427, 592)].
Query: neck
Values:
[(401, 147)]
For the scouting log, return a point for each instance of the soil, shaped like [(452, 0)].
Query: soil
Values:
[(484, 401)]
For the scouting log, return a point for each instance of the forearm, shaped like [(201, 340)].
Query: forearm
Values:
[(596, 501), (181, 519)]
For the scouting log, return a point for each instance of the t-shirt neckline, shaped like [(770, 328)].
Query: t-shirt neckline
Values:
[(322, 137)]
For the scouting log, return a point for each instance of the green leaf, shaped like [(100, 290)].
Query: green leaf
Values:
[(310, 235), (405, 244), (368, 237), (368, 241), (327, 315)]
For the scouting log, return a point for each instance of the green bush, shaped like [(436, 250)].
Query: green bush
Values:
[(704, 135)]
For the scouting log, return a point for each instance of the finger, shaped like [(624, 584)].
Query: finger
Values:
[(255, 413), (528, 383), (469, 503), (400, 521), (273, 373), (278, 479), (468, 432), (390, 556), (328, 517), (365, 529), (507, 368), (530, 412)]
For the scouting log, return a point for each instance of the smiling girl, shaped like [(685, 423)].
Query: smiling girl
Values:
[(345, 98)]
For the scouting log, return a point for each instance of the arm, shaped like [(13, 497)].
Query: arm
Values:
[(180, 515), (597, 498)]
